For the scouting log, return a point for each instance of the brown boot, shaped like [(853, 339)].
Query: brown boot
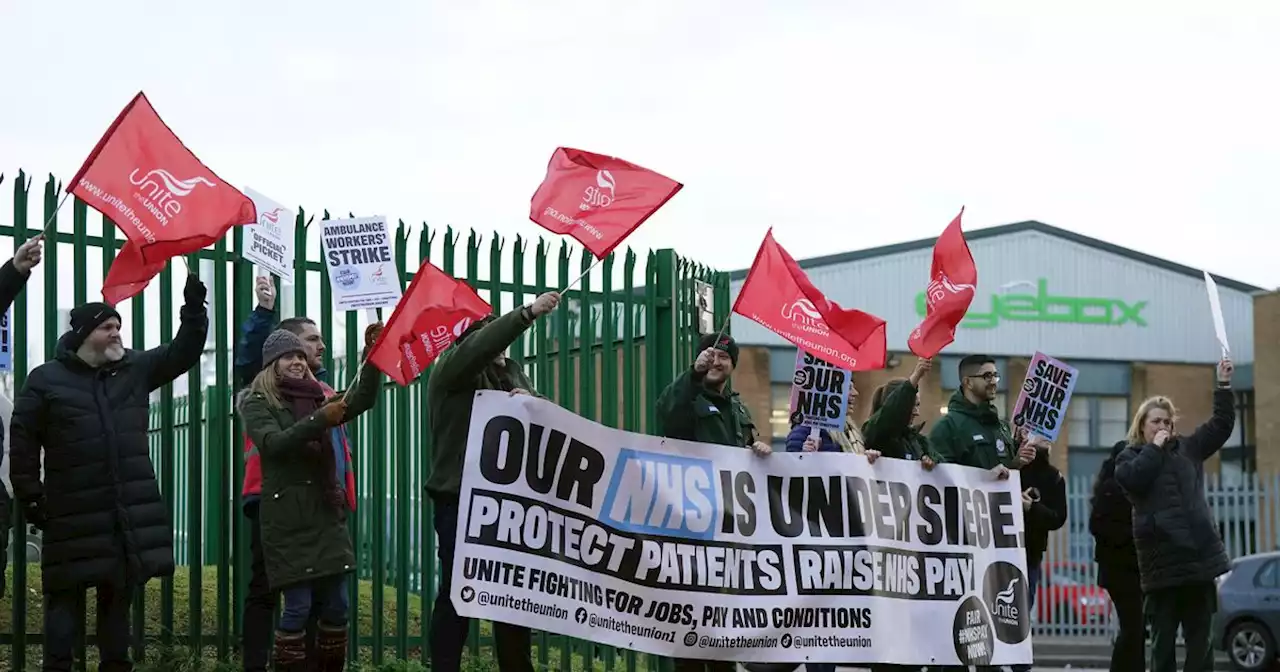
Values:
[(331, 647), (290, 652)]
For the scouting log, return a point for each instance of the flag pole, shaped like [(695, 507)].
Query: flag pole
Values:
[(51, 222), (372, 314), (580, 277)]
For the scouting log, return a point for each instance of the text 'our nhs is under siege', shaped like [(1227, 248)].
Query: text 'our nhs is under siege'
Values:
[(659, 514)]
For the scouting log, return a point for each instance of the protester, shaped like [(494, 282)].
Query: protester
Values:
[(1111, 523), (477, 360), (305, 540), (1179, 550), (105, 525), (893, 430), (801, 439), (1044, 509), (260, 603), (13, 277), (699, 406), (971, 432)]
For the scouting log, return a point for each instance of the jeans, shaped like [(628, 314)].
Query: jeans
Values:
[(64, 612), (330, 591), (260, 604), (1129, 650), (1192, 606), (449, 630)]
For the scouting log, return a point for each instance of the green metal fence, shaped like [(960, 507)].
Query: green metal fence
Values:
[(615, 341)]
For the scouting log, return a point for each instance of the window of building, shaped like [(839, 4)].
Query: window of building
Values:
[(1236, 461), (1095, 423), (780, 411)]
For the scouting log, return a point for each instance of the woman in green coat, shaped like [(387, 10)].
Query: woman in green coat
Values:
[(306, 546)]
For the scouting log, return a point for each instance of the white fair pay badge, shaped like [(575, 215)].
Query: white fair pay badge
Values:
[(269, 242)]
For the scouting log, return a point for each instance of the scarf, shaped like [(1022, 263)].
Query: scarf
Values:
[(303, 397), (850, 440)]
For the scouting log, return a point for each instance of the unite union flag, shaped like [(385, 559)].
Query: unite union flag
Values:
[(598, 200), (164, 199), (953, 281), (778, 295), (431, 315)]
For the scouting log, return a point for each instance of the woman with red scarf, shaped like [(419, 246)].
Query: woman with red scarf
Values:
[(305, 543)]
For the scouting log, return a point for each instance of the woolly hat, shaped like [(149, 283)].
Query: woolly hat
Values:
[(725, 343), (86, 318), (280, 343)]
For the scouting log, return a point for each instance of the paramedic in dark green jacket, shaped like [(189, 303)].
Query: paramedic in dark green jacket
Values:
[(893, 430), (696, 407), (971, 433), (476, 361)]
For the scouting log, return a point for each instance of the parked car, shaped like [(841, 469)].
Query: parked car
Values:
[(1069, 595), (1249, 611)]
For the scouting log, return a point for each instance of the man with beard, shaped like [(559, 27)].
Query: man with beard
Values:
[(699, 406), (13, 277), (105, 525), (476, 361)]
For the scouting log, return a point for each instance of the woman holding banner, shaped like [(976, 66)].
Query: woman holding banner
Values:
[(893, 430), (305, 541), (805, 439)]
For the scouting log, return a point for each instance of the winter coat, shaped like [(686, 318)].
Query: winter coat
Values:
[(799, 434), (973, 436), (304, 537), (1048, 514), (1177, 541), (691, 411), (1111, 524), (104, 519), (889, 429), (465, 367)]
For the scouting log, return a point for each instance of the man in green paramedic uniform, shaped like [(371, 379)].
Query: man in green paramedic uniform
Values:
[(972, 433)]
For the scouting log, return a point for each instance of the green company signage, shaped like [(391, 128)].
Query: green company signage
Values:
[(1045, 307)]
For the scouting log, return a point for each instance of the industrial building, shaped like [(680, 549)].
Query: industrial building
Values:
[(1133, 324)]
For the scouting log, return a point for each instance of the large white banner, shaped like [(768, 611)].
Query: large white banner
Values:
[(702, 551)]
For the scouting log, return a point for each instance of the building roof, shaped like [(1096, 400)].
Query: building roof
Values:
[(1006, 229)]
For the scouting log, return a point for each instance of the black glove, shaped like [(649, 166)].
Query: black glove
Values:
[(195, 291), (34, 513)]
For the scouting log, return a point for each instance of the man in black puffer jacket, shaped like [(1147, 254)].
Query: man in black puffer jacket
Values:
[(99, 505), (1179, 550)]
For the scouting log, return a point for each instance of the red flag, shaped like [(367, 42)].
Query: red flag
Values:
[(129, 274), (433, 312), (158, 193), (597, 199), (953, 281), (778, 295)]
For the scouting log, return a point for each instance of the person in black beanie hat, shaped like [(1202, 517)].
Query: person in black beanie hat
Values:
[(699, 406), (13, 277), (105, 524)]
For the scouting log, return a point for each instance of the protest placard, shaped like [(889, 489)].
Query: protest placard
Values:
[(6, 341), (362, 271), (269, 242), (820, 392), (694, 550), (1041, 407), (1215, 309)]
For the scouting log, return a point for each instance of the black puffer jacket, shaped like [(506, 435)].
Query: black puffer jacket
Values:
[(1111, 524), (1177, 541), (1048, 514), (104, 520)]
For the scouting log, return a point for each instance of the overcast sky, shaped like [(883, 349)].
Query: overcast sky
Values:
[(844, 124)]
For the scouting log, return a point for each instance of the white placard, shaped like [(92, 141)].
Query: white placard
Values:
[(362, 270), (269, 243), (694, 550), (1215, 307)]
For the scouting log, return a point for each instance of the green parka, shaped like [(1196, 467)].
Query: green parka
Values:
[(690, 410), (889, 429), (303, 536), (973, 436)]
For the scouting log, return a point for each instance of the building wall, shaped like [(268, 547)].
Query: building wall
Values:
[(1039, 291), (1266, 380), (1093, 430)]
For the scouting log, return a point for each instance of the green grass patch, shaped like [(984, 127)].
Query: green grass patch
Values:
[(583, 656)]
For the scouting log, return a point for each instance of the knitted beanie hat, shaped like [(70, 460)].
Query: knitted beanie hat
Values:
[(280, 343)]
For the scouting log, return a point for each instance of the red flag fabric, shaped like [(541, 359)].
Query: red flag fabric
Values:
[(778, 295), (597, 199), (953, 281), (433, 312), (158, 193), (129, 274)]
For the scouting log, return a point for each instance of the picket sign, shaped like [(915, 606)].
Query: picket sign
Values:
[(1215, 308), (362, 270), (269, 242), (1041, 407), (820, 393), (703, 551)]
